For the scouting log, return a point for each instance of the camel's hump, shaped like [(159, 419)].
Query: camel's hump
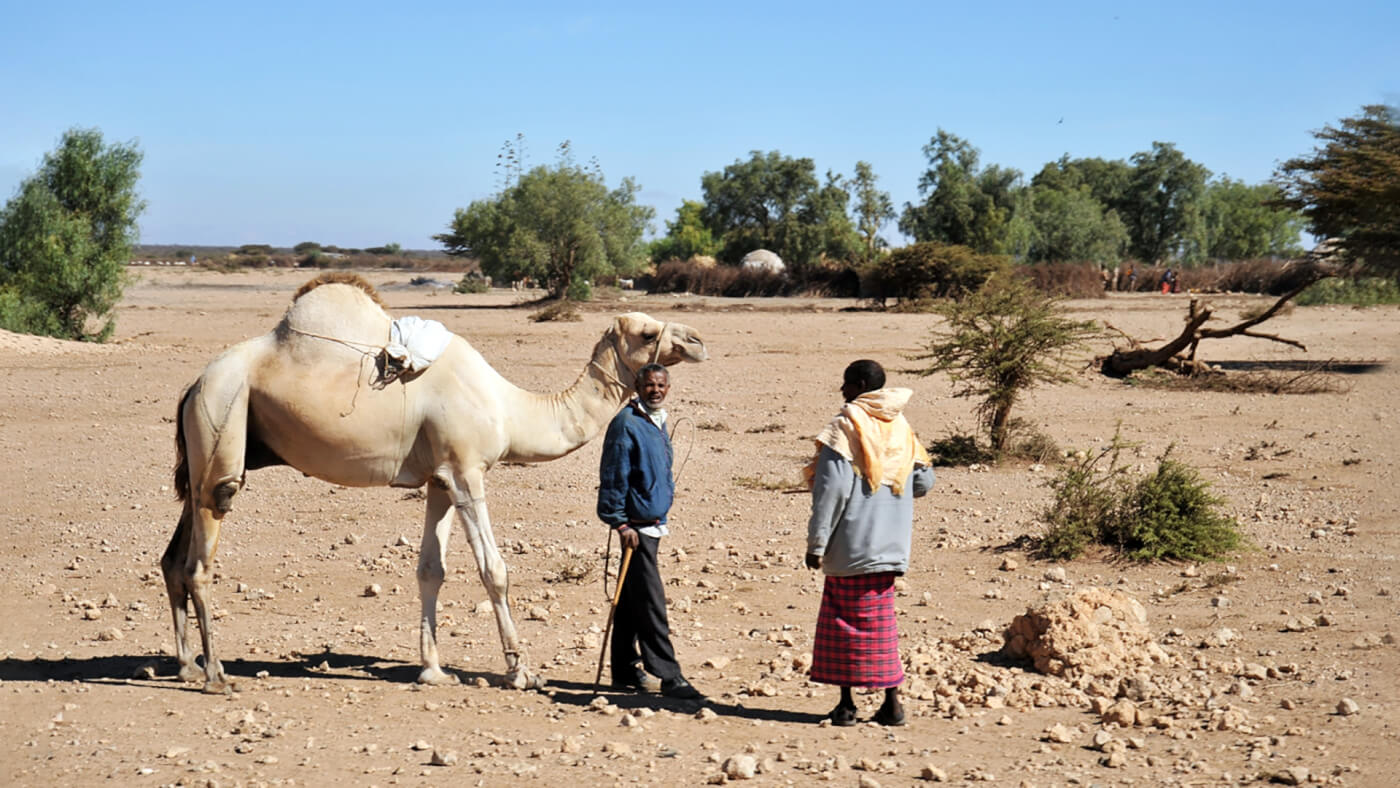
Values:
[(340, 278)]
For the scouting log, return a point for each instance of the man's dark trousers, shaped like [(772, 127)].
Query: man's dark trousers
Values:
[(640, 620)]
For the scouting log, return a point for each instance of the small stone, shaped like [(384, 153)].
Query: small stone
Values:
[(1115, 760), (1293, 775), (1220, 601), (373, 589), (1057, 733), (740, 767), (1009, 564), (1347, 707), (933, 774), (717, 662), (421, 745), (448, 758), (706, 714), (1056, 574), (1255, 671), (1102, 738), (866, 781)]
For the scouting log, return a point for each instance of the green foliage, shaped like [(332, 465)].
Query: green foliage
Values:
[(579, 290), (873, 209), (959, 449), (1000, 342), (1070, 225), (306, 247), (1169, 514), (471, 284), (1349, 187), (962, 204), (932, 270), (686, 237), (776, 203), (387, 250), (1363, 291), (1242, 221), (556, 224), (66, 236), (1162, 204)]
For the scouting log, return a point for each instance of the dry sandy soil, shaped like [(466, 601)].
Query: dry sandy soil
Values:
[(325, 672)]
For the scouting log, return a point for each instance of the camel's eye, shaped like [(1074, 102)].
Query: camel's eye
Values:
[(650, 336)]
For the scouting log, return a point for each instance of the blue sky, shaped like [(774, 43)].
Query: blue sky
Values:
[(360, 124)]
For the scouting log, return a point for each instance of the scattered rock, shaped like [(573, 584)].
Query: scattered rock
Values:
[(373, 589), (933, 774), (740, 767), (448, 758), (1009, 564), (1348, 707), (1057, 733), (1293, 775)]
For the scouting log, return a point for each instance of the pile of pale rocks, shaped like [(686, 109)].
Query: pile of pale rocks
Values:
[(1087, 649)]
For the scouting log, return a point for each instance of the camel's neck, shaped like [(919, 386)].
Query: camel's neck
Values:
[(547, 426)]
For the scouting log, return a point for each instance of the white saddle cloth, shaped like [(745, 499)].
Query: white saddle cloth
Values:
[(415, 343)]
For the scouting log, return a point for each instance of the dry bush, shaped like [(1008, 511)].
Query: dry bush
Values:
[(1318, 380), (701, 277), (562, 310), (762, 485), (713, 426), (1066, 280), (764, 428)]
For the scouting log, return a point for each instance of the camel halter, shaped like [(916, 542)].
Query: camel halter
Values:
[(617, 353)]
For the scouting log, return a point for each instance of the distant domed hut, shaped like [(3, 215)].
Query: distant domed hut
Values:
[(763, 260)]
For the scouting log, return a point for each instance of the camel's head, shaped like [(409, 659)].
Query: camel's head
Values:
[(641, 339)]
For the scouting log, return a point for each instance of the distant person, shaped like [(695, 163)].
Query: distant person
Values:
[(1168, 281), (1105, 278), (1132, 278), (868, 470)]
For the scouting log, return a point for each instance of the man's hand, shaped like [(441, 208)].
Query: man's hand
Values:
[(628, 537), (814, 561)]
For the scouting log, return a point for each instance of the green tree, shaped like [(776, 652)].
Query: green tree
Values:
[(873, 209), (1162, 204), (1070, 225), (1000, 342), (1241, 222), (559, 224), (1349, 187), (686, 236), (306, 247), (66, 236), (775, 202), (962, 204)]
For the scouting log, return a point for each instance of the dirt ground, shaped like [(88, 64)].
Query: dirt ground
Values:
[(325, 671)]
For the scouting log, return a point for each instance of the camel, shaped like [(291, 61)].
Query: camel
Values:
[(315, 393)]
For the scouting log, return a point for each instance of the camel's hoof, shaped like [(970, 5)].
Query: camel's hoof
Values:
[(435, 677), (521, 680), (191, 673), (218, 687)]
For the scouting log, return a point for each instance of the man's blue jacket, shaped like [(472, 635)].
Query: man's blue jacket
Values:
[(634, 477)]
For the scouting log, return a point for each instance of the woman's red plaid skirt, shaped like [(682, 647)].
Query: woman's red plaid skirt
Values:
[(857, 638)]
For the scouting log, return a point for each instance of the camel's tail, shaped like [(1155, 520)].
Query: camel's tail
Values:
[(182, 463)]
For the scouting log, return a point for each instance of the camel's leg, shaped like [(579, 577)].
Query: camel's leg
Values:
[(432, 569), (215, 430), (199, 569), (172, 565), (469, 498)]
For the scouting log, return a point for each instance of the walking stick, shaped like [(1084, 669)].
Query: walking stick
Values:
[(612, 611)]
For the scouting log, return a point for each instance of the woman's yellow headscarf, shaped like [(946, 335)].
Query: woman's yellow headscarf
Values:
[(872, 434)]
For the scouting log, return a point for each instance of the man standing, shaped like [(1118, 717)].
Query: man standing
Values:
[(635, 489), (868, 469)]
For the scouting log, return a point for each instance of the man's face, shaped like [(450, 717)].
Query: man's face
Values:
[(655, 387)]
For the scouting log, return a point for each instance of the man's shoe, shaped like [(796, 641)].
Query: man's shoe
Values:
[(680, 689), (635, 680)]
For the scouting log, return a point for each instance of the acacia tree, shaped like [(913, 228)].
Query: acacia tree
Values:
[(1349, 187), (1000, 342), (66, 237), (873, 208), (559, 224)]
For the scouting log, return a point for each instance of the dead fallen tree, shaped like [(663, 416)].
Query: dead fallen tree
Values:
[(1179, 354)]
